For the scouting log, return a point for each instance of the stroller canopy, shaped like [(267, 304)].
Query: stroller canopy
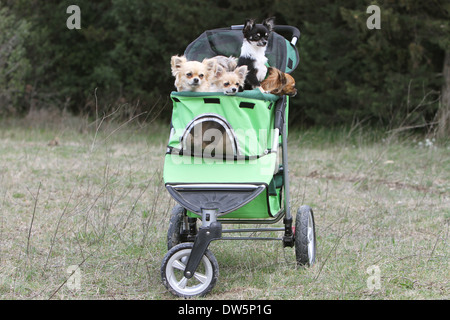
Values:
[(281, 53)]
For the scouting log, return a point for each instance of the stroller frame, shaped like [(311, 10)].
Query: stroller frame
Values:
[(212, 226), (183, 229)]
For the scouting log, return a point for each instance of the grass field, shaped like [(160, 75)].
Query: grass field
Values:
[(91, 195)]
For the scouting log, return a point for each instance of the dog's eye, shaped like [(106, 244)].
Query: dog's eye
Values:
[(226, 84), (201, 76), (189, 75), (237, 83)]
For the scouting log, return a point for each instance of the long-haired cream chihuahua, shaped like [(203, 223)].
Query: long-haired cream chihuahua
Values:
[(191, 75), (228, 82)]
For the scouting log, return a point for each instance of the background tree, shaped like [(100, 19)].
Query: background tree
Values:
[(14, 64), (392, 77)]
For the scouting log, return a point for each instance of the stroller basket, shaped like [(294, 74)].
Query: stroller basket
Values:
[(222, 197)]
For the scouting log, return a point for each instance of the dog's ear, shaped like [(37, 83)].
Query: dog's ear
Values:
[(210, 64), (289, 79), (176, 62), (241, 71), (231, 63), (281, 77), (218, 73), (278, 76), (248, 25), (269, 23)]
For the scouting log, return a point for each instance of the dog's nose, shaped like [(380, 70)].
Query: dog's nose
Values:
[(234, 89), (196, 80)]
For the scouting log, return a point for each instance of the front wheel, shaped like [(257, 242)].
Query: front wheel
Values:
[(172, 272), (305, 237)]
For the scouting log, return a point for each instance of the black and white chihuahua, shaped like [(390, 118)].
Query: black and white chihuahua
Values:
[(253, 51)]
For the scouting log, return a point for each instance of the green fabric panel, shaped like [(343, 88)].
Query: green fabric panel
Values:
[(272, 188), (252, 124), (186, 169), (292, 54), (256, 209), (274, 202), (249, 94), (183, 169)]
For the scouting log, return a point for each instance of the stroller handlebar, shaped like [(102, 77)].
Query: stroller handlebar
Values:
[(293, 30)]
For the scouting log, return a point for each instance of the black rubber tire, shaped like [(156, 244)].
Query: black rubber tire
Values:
[(176, 226), (208, 271), (305, 237)]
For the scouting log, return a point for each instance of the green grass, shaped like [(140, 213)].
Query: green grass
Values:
[(97, 200)]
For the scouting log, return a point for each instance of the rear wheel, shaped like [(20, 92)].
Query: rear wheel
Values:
[(172, 272), (305, 237), (181, 227)]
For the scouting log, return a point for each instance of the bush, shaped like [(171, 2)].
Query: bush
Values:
[(390, 77)]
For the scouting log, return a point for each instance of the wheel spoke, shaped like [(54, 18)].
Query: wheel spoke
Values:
[(182, 283), (177, 264), (200, 277)]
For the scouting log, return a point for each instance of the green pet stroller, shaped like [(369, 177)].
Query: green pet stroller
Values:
[(240, 178)]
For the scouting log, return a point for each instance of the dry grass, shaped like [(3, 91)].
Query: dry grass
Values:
[(94, 198)]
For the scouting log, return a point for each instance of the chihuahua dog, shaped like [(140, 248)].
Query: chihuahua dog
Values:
[(191, 75), (253, 51), (279, 83), (230, 82)]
